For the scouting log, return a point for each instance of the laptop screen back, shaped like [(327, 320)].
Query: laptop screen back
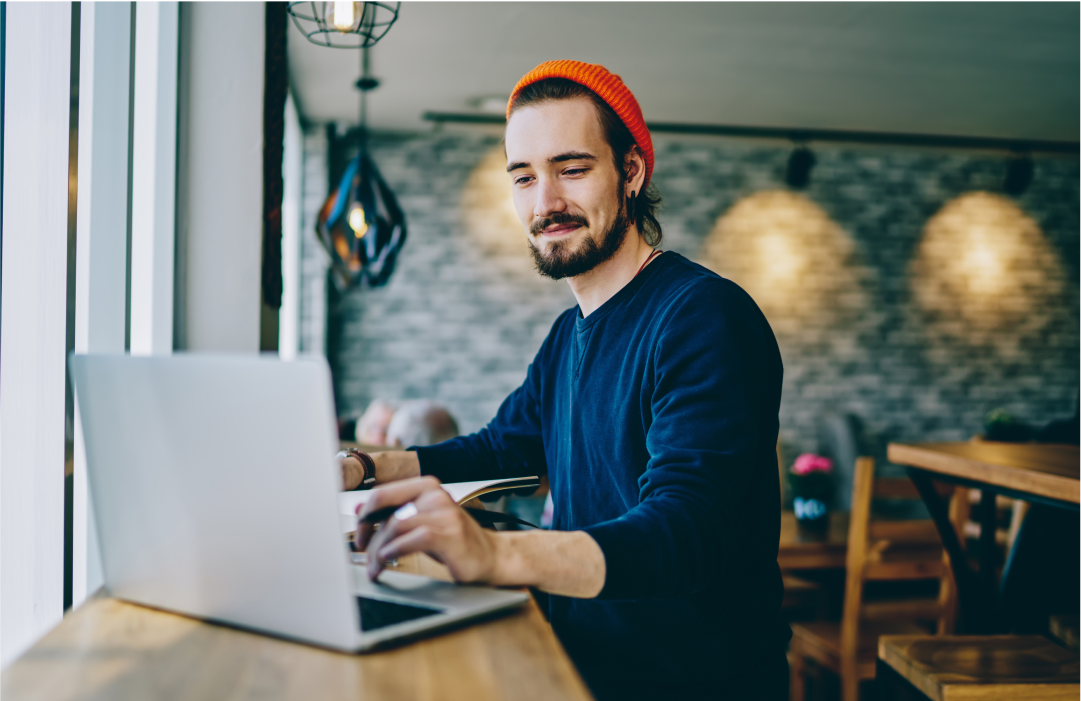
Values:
[(214, 487)]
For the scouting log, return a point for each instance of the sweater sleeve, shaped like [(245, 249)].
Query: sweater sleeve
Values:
[(716, 377), (511, 444)]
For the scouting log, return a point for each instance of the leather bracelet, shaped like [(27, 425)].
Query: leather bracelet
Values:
[(366, 462)]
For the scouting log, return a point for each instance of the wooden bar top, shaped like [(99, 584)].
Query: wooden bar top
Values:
[(109, 649), (1046, 470)]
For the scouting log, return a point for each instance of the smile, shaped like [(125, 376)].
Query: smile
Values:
[(559, 230)]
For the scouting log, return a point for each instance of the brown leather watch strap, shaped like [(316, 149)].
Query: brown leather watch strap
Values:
[(366, 461)]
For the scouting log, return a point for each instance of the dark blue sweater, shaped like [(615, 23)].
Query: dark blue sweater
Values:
[(655, 419)]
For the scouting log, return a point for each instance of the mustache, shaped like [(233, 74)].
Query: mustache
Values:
[(556, 218)]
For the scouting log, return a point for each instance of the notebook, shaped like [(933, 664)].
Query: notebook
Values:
[(461, 492)]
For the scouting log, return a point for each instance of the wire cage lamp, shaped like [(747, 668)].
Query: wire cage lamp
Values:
[(344, 25)]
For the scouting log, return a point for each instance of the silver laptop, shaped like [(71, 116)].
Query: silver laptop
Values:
[(215, 489)]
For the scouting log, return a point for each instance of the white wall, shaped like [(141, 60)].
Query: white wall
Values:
[(101, 238), (293, 191), (220, 217), (33, 321)]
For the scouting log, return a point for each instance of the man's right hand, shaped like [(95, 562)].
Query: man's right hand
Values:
[(389, 466)]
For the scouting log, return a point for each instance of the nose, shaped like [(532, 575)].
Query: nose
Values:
[(549, 198)]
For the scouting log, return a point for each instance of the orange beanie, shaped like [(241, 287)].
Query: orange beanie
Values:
[(609, 87)]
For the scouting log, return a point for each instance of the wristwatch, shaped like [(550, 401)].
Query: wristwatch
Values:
[(366, 462)]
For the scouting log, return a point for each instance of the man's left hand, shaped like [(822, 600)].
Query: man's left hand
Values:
[(440, 528)]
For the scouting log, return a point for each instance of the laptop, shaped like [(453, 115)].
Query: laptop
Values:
[(215, 490)]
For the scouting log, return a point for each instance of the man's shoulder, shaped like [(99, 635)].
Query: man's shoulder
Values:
[(691, 287)]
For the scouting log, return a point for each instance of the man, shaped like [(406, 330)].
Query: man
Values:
[(652, 407)]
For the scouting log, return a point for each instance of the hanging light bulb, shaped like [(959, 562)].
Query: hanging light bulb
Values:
[(344, 25), (344, 17), (357, 222)]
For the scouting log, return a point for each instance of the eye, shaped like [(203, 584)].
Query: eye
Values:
[(522, 179), (575, 171)]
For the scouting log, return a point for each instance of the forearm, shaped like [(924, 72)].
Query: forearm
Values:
[(558, 562), (394, 465)]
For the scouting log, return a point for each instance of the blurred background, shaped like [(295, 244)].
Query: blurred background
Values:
[(912, 286)]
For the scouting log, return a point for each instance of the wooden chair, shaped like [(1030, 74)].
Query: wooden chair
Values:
[(877, 551)]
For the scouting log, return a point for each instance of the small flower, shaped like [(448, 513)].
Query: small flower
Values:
[(809, 462)]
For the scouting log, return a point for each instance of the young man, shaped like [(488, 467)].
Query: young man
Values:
[(651, 406)]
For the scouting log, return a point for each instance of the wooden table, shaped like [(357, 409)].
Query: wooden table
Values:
[(1007, 667), (108, 649), (1047, 474), (801, 551)]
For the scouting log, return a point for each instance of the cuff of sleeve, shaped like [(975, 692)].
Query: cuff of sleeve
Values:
[(624, 573), (442, 460)]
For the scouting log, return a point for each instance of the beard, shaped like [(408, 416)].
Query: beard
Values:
[(561, 261)]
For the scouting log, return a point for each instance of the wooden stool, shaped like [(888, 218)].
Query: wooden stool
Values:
[(1007, 667)]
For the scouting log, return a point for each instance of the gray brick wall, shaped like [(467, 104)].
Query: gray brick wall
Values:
[(896, 294)]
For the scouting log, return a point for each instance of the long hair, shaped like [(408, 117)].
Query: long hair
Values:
[(644, 206)]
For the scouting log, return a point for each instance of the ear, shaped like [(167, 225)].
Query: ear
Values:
[(635, 167)]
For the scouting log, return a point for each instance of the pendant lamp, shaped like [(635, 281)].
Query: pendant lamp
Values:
[(361, 224), (344, 25)]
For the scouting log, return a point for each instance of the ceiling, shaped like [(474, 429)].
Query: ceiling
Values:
[(975, 69)]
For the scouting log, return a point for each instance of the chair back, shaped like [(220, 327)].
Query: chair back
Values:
[(889, 551)]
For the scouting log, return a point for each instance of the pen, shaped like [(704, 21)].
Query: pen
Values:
[(402, 512)]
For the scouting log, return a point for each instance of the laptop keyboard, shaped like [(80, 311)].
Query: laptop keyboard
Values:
[(376, 613)]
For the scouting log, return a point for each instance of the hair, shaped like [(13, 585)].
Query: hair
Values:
[(643, 207), (421, 422)]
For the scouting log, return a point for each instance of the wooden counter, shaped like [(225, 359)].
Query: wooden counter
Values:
[(108, 649)]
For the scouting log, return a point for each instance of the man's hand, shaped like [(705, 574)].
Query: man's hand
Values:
[(389, 466), (564, 563), (440, 528)]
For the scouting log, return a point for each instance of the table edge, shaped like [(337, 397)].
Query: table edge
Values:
[(1045, 485)]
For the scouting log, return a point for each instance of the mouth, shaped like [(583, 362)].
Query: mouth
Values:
[(560, 230)]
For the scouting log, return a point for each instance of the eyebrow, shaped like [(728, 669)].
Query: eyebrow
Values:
[(568, 156)]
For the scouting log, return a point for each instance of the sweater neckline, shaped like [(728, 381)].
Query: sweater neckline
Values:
[(628, 290)]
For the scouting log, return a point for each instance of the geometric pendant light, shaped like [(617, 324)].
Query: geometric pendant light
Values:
[(360, 224)]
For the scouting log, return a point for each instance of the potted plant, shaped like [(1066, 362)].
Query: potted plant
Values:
[(811, 482)]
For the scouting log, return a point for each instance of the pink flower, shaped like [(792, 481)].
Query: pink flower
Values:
[(809, 462)]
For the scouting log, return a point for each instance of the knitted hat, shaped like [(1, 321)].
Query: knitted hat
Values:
[(608, 86)]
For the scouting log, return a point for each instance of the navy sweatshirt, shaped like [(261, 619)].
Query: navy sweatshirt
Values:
[(655, 419)]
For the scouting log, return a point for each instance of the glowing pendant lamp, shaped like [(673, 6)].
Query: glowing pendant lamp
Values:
[(360, 224), (344, 25)]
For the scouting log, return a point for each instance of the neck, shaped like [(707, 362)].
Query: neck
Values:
[(594, 288)]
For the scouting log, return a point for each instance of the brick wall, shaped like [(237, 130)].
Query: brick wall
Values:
[(900, 288)]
